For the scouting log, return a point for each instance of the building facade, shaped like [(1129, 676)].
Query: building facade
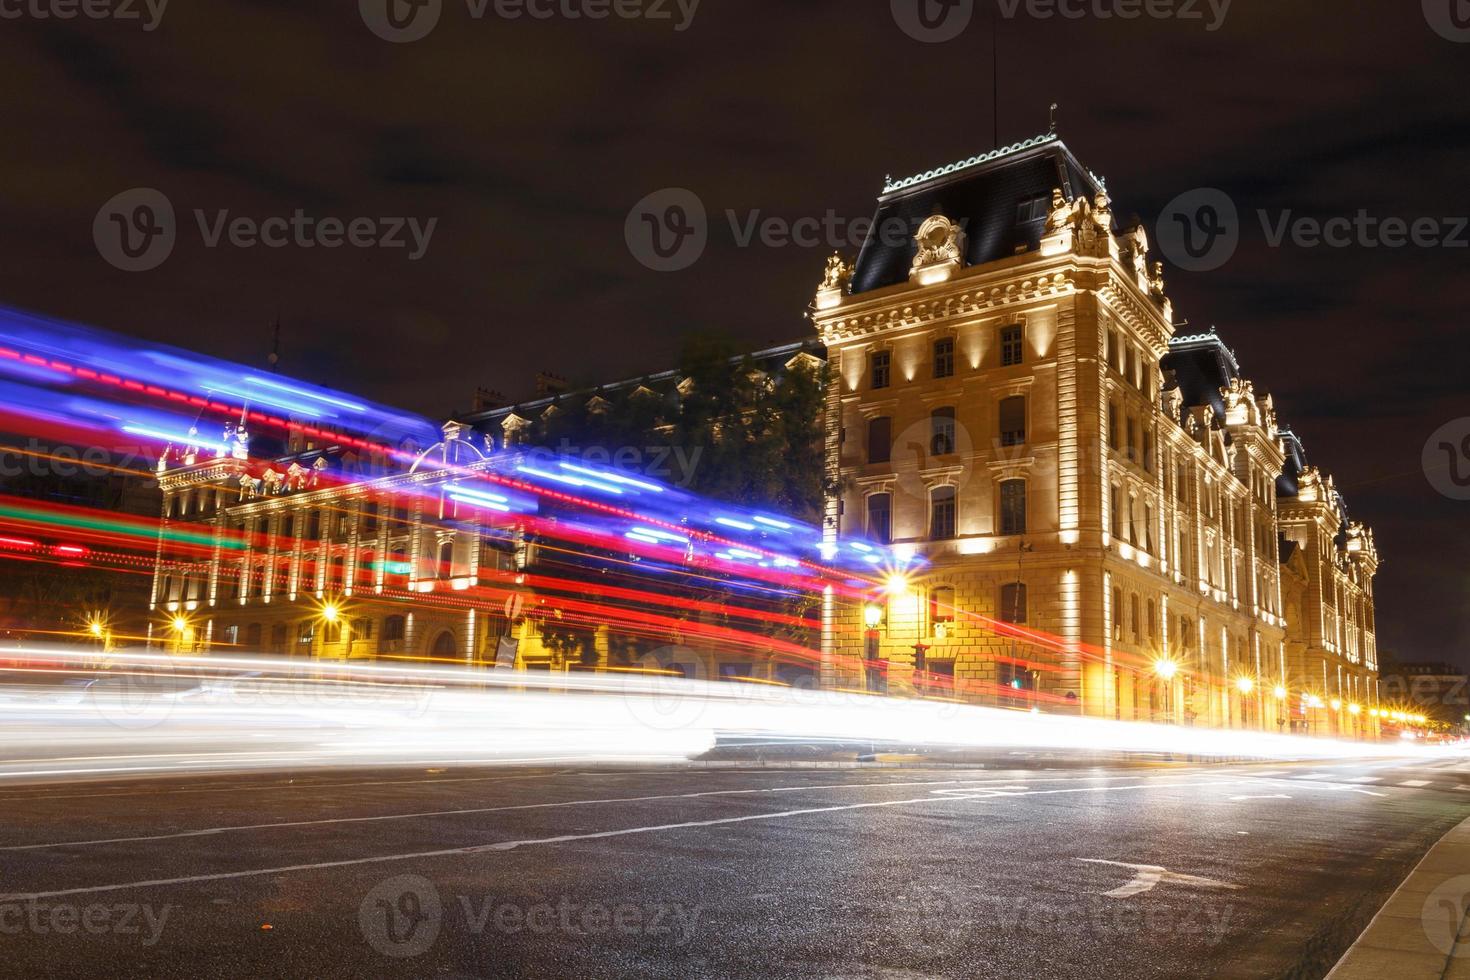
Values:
[(1083, 510), (1095, 496)]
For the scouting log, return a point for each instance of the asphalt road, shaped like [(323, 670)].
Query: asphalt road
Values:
[(714, 872)]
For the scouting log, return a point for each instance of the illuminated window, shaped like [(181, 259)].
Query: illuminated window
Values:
[(942, 432), (1013, 507), (941, 605), (1117, 614), (944, 358), (880, 518), (942, 514), (393, 629), (880, 440), (1013, 602), (307, 633), (881, 368), (1013, 421), (1012, 341)]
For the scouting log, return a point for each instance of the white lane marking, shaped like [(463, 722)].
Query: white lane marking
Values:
[(1278, 796), (563, 839), (291, 784), (1415, 783), (209, 831), (1148, 876), (1366, 779), (1315, 775), (1267, 775)]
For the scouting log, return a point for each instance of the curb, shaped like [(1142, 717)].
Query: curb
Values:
[(1434, 899)]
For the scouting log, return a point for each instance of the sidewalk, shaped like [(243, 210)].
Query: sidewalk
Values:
[(1421, 933)]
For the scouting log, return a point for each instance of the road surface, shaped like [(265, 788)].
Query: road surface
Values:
[(1239, 871)]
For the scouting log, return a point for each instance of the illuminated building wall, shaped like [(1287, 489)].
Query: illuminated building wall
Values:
[(1011, 403)]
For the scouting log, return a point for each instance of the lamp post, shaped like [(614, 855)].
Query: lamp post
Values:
[(1166, 670), (1245, 685)]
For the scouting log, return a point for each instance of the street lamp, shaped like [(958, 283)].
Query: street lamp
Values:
[(1166, 670)]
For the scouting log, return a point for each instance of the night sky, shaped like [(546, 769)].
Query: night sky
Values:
[(530, 140)]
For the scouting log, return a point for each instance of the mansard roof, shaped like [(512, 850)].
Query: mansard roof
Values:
[(1201, 365), (984, 195)]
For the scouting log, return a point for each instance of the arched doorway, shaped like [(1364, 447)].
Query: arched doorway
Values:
[(443, 645)]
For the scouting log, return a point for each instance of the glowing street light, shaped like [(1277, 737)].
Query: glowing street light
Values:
[(1245, 685), (331, 612), (1355, 709), (1166, 669), (179, 624), (1337, 704), (898, 584), (1281, 693), (873, 616)]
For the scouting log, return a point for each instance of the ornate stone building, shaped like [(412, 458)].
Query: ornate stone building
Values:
[(1084, 509), (1096, 497)]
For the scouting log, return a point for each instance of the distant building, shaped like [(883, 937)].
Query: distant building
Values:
[(1438, 691)]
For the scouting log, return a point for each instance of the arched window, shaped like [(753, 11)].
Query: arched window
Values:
[(942, 501), (446, 560), (443, 645), (252, 637)]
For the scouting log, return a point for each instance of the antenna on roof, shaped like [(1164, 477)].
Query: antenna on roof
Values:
[(995, 78), (1053, 130)]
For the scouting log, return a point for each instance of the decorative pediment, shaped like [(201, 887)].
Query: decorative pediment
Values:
[(941, 251)]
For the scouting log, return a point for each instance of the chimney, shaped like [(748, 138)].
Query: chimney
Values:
[(488, 399)]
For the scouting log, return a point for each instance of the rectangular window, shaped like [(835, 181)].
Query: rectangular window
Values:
[(1013, 507), (944, 358), (942, 432), (1032, 209), (1012, 339), (942, 511), (882, 364), (941, 605), (1013, 603), (880, 518), (880, 440), (1013, 421)]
